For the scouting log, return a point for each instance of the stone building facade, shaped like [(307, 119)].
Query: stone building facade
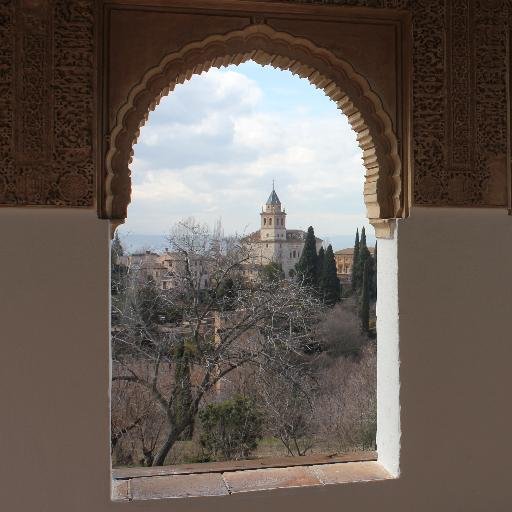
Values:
[(273, 242), (167, 268), (344, 263)]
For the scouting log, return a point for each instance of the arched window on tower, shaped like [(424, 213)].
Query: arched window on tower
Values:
[(270, 222)]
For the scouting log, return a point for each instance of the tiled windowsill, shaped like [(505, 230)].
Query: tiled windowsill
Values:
[(220, 479)]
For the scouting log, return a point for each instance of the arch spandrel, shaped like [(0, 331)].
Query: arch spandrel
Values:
[(337, 78)]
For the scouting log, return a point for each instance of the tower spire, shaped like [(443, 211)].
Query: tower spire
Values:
[(272, 198)]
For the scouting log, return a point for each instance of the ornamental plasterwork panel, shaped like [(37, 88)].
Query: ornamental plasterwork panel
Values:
[(268, 36), (460, 97), (46, 103), (460, 100), (259, 42)]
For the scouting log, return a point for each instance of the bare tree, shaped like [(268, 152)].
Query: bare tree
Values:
[(346, 405), (225, 323), (339, 330), (288, 398)]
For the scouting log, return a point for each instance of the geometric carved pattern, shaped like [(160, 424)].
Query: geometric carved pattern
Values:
[(264, 45), (460, 103), (430, 122), (460, 100), (392, 4), (7, 43), (46, 102)]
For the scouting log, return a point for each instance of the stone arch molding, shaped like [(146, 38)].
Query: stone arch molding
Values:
[(262, 44)]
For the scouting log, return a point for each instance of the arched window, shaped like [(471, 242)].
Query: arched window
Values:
[(304, 293)]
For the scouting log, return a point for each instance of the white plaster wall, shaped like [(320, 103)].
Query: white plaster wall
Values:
[(455, 305), (388, 360)]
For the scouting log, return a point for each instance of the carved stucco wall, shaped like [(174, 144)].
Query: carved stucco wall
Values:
[(460, 100), (46, 102)]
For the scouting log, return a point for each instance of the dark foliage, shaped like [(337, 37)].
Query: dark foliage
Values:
[(355, 273), (307, 266), (231, 429), (365, 297), (329, 282)]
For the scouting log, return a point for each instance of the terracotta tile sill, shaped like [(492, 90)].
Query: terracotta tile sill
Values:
[(234, 481)]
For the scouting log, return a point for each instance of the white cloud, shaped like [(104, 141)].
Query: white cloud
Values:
[(211, 149)]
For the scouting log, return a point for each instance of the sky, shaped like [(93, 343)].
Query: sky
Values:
[(212, 147)]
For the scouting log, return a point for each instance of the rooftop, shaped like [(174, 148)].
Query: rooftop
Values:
[(272, 198), (350, 251)]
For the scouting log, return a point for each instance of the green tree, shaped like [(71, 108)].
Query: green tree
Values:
[(117, 269), (373, 284), (231, 429), (151, 305), (307, 265), (355, 261), (116, 247), (364, 311), (320, 266), (182, 402), (359, 263), (273, 272), (226, 294), (329, 282)]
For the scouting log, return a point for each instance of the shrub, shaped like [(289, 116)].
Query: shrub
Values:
[(347, 403), (230, 429), (339, 331)]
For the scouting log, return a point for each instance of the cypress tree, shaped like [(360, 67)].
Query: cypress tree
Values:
[(355, 261), (364, 311), (307, 265), (373, 288), (363, 255), (182, 395), (320, 268), (363, 236), (330, 284)]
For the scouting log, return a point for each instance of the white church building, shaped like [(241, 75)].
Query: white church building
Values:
[(273, 242)]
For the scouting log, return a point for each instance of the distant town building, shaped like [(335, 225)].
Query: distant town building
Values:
[(345, 262), (166, 268), (273, 242)]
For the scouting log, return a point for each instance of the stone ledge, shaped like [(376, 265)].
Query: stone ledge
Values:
[(238, 465), (249, 480)]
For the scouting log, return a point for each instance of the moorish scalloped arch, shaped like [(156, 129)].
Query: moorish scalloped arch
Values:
[(264, 45)]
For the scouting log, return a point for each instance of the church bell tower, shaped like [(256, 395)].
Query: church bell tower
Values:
[(273, 219)]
